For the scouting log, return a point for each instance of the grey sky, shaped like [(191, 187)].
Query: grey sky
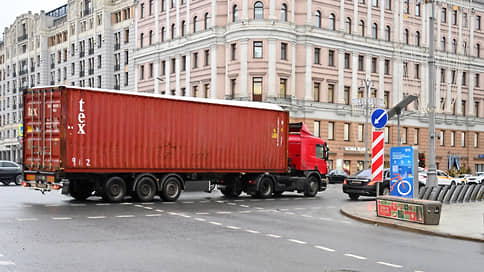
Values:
[(10, 9)]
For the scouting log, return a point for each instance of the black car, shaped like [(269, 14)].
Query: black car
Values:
[(337, 176), (10, 172), (360, 184)]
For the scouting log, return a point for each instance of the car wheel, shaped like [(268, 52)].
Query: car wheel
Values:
[(386, 191), (18, 179), (354, 196)]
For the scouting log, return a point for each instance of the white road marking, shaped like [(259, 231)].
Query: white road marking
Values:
[(125, 216), (148, 208), (61, 218), (346, 222), (184, 215), (331, 207), (270, 199), (147, 203), (202, 213), (326, 218), (284, 199), (355, 256), (233, 227), (239, 200), (259, 208), (27, 206), (245, 211), (151, 215), (306, 215), (231, 203), (77, 205), (244, 206), (200, 219), (284, 210), (220, 201), (103, 204), (26, 219), (325, 248), (298, 209), (291, 213), (168, 203), (223, 212), (273, 236), (172, 213), (96, 217), (139, 206), (297, 241), (53, 205), (159, 210), (254, 200), (298, 198), (5, 263), (252, 231), (188, 202), (204, 201), (215, 223), (126, 203), (390, 264)]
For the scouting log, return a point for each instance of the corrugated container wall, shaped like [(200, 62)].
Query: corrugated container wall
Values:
[(81, 130)]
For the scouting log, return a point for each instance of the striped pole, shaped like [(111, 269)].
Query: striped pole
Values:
[(378, 150)]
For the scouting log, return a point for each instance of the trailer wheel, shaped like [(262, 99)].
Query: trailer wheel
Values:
[(145, 189), (312, 187), (171, 189), (266, 188), (114, 189)]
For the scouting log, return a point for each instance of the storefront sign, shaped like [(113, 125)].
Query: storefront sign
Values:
[(354, 149)]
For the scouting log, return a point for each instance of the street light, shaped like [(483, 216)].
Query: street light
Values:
[(367, 84)]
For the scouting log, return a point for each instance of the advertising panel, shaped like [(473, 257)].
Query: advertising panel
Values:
[(403, 169)]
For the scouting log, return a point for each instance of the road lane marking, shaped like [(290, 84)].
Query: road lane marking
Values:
[(147, 203), (244, 206), (233, 227), (27, 206), (245, 211), (53, 205), (26, 219), (220, 201), (126, 203), (298, 209), (61, 218), (291, 213), (204, 201), (184, 215), (231, 203), (252, 231), (355, 256), (239, 200), (172, 213), (77, 205), (5, 263), (168, 203), (298, 198), (270, 199), (273, 236), (125, 216), (308, 216), (390, 264), (188, 202), (325, 248), (254, 200), (139, 206), (215, 223), (202, 213), (297, 241), (346, 222), (223, 212), (259, 208), (103, 204), (151, 215), (284, 210), (326, 218), (148, 208), (158, 210), (96, 217), (284, 199), (200, 219)]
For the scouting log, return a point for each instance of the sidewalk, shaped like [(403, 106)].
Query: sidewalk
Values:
[(459, 221)]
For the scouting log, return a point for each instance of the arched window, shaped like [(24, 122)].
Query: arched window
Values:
[(150, 38), (405, 36), (284, 12), (258, 10), (442, 44), (141, 38), (478, 50), (172, 31), (332, 21), (235, 13), (207, 21), (374, 31), (183, 28), (361, 29), (348, 25), (317, 19), (454, 46), (387, 33), (195, 24), (417, 38), (464, 48), (163, 34)]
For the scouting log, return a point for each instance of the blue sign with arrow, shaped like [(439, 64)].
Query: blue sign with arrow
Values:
[(379, 118)]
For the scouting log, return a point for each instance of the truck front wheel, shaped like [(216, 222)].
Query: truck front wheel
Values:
[(266, 188), (312, 187), (171, 189), (145, 189), (114, 189)]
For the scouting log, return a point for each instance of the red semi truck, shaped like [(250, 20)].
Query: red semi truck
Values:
[(112, 144)]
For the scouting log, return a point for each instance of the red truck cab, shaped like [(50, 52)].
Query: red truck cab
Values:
[(307, 152)]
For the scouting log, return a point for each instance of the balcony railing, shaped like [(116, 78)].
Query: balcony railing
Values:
[(91, 71), (117, 46), (32, 69), (14, 74), (52, 65), (81, 73), (23, 38), (117, 87), (117, 67), (82, 54), (91, 51)]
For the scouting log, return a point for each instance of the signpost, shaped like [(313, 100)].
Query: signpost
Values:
[(403, 170), (379, 120)]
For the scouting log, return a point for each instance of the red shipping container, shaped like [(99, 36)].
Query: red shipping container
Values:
[(85, 130)]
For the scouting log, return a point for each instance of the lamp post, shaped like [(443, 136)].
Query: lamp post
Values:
[(366, 83)]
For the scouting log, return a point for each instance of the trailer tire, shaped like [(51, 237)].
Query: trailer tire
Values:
[(266, 187), (114, 189), (312, 187), (171, 189), (145, 189)]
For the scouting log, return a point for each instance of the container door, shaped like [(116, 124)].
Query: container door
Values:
[(42, 129)]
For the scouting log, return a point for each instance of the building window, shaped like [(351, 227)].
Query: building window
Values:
[(331, 58), (476, 81), (405, 69), (361, 61), (151, 70), (206, 90), (452, 138), (163, 34), (348, 25), (478, 22), (332, 21), (183, 28), (441, 137), (388, 4), (257, 89), (346, 95), (464, 78), (184, 63), (317, 19), (234, 51), (476, 111), (417, 10), (374, 31), (142, 38), (417, 70), (386, 99), (387, 33), (361, 29), (142, 72), (330, 130), (142, 10), (195, 24), (405, 36), (386, 134), (233, 86), (284, 13), (374, 3), (163, 68), (316, 55), (360, 133), (347, 61), (454, 46), (346, 132), (207, 57), (317, 129), (416, 136), (442, 44), (387, 67), (257, 50), (478, 50), (330, 93), (373, 65), (454, 17), (476, 139), (258, 10), (444, 15), (316, 92), (464, 19), (195, 91), (283, 88), (283, 51), (207, 21), (195, 60), (442, 75), (463, 139), (173, 66), (417, 38), (404, 136), (235, 13)]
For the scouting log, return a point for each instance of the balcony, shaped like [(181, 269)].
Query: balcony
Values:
[(52, 65), (91, 51), (23, 38), (14, 74), (82, 54), (32, 69), (81, 73), (117, 46), (91, 71), (86, 12), (117, 67)]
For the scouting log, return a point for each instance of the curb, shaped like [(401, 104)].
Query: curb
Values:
[(396, 224)]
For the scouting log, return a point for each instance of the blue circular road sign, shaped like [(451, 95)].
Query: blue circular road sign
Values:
[(379, 118)]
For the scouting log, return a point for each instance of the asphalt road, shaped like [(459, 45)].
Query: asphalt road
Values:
[(205, 232)]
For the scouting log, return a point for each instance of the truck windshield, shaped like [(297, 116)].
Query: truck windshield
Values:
[(320, 151)]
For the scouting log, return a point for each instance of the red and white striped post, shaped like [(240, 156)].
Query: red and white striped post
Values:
[(377, 152)]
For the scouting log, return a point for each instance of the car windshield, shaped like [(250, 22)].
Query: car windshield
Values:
[(364, 173)]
